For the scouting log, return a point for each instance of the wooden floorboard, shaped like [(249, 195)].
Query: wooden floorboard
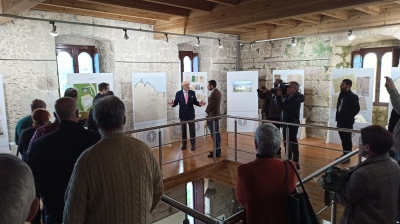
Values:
[(313, 155)]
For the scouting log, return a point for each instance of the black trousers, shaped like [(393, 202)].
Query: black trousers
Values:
[(192, 133), (293, 144), (347, 144)]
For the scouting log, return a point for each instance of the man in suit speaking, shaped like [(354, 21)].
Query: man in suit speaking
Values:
[(186, 98)]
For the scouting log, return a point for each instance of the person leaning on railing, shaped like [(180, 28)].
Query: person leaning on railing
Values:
[(261, 185), (370, 195)]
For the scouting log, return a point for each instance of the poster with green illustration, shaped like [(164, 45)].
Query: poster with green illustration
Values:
[(86, 94)]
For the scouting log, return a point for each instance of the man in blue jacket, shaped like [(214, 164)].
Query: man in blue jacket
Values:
[(186, 98)]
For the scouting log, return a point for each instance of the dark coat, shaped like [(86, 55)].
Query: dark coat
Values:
[(347, 108), (270, 108), (394, 118), (52, 162), (24, 140), (370, 195), (290, 107), (186, 112)]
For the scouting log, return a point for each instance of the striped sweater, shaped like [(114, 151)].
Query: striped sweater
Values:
[(118, 180)]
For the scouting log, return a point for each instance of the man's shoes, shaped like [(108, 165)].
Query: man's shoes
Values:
[(193, 148), (183, 147)]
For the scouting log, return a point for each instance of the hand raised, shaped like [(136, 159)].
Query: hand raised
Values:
[(389, 83), (171, 103)]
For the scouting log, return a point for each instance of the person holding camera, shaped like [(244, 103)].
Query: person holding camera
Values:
[(269, 108), (290, 104)]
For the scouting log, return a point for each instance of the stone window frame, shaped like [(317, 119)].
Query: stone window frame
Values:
[(191, 55), (379, 53)]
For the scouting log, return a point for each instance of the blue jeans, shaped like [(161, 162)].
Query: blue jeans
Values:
[(217, 134)]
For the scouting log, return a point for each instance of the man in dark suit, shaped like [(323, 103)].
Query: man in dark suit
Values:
[(54, 156), (186, 98), (213, 110)]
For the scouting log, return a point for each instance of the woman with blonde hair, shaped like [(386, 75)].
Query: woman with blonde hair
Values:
[(40, 117)]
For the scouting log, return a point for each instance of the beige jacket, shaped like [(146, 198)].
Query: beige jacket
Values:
[(118, 180)]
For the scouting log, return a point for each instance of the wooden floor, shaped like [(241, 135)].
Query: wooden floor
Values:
[(314, 154)]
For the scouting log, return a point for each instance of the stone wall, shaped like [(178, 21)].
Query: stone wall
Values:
[(317, 55)]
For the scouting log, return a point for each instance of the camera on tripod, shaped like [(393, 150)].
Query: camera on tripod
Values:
[(282, 86)]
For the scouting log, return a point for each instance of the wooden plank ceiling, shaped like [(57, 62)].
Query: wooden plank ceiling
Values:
[(251, 19)]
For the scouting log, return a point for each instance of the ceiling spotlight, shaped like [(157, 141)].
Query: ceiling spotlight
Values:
[(54, 31), (350, 35), (126, 37), (219, 44), (294, 43), (211, 192), (166, 39), (198, 42)]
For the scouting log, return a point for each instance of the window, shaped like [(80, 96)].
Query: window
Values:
[(189, 62), (75, 59), (382, 60)]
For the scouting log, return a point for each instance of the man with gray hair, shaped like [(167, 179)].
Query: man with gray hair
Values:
[(290, 106), (118, 180), (186, 98), (17, 191), (261, 184), (53, 156)]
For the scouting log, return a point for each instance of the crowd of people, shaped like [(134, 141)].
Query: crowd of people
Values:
[(101, 175), (81, 175)]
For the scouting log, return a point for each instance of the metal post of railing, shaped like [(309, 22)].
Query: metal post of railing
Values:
[(359, 158), (333, 212), (160, 149), (236, 141), (214, 141), (287, 142)]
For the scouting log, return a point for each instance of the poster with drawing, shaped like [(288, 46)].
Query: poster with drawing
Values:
[(4, 142), (362, 85), (198, 83), (242, 99), (289, 76), (87, 86)]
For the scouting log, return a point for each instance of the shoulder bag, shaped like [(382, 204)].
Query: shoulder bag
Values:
[(298, 205)]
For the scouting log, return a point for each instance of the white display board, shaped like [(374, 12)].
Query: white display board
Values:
[(149, 95), (4, 143), (363, 83), (87, 85), (241, 88), (290, 76), (198, 83)]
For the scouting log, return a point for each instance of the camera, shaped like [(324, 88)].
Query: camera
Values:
[(282, 86)]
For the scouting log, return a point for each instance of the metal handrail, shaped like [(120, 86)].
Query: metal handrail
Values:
[(181, 207), (243, 118)]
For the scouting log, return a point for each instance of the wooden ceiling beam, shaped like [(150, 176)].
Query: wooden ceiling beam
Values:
[(255, 12), (225, 2), (93, 14), (286, 22), (193, 4), (372, 10), (314, 19), (263, 26), (338, 14), (16, 7), (109, 9), (149, 6)]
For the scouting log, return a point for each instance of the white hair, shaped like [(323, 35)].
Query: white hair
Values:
[(268, 138), (185, 82), (17, 189), (296, 85)]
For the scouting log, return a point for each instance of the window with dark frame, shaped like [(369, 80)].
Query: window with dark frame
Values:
[(382, 60), (75, 59), (189, 62)]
